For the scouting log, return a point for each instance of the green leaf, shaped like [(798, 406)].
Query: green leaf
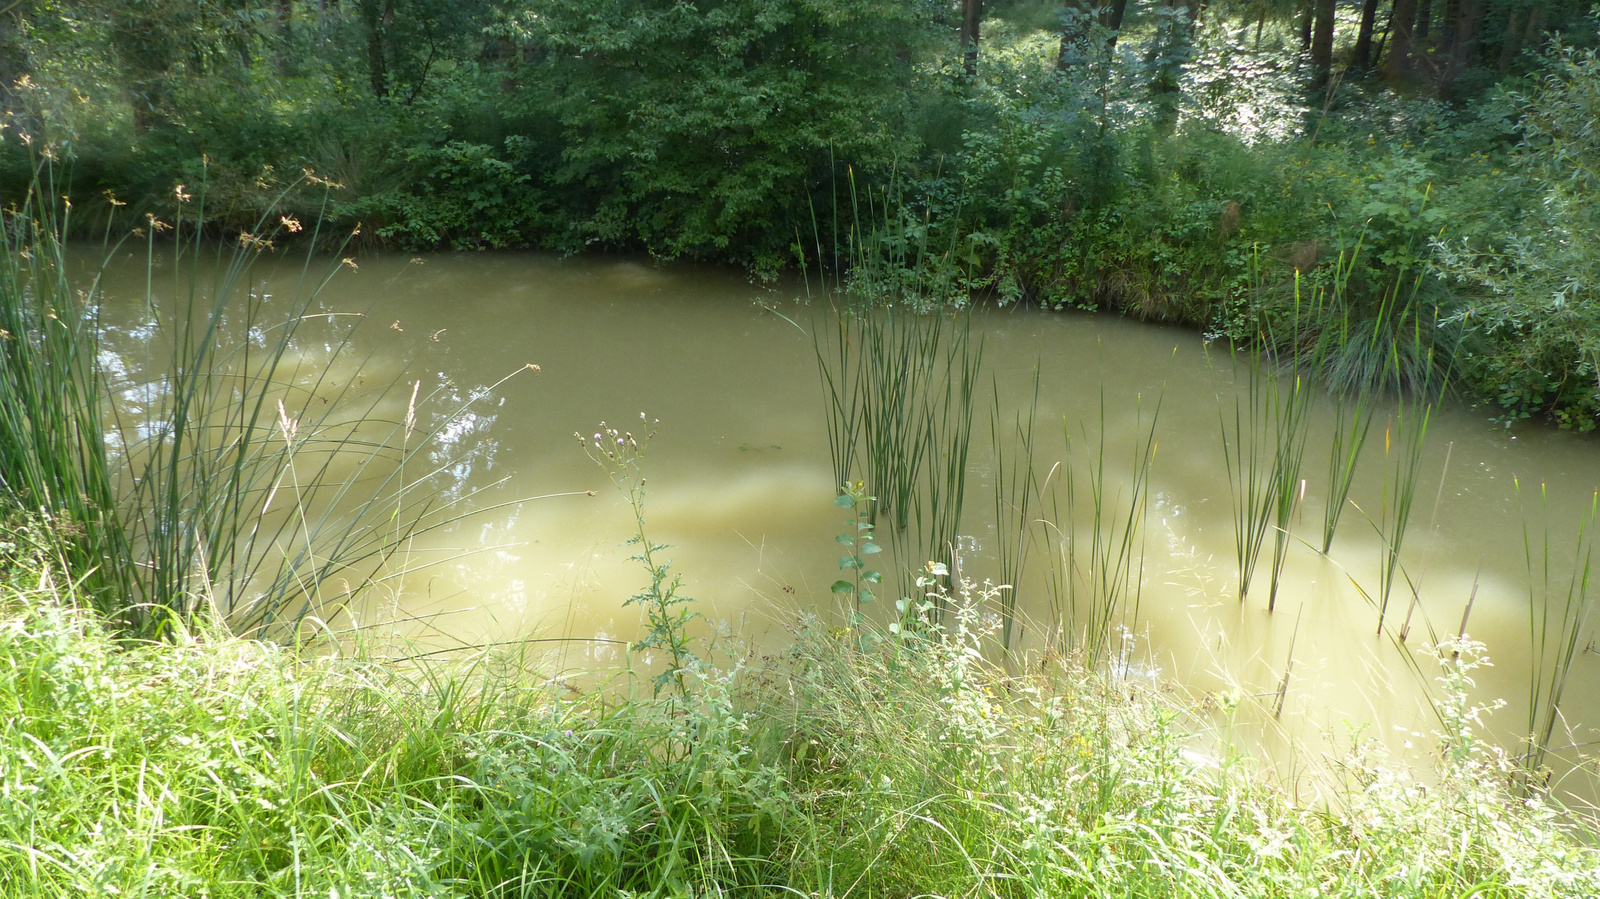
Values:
[(872, 577), (870, 548), (846, 540), (845, 501), (849, 562), (843, 587), (865, 595)]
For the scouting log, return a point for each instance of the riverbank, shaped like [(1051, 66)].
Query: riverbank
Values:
[(856, 765)]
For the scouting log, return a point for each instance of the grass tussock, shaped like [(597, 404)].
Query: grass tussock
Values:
[(207, 765)]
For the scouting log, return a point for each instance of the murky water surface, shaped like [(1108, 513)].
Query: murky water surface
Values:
[(741, 486)]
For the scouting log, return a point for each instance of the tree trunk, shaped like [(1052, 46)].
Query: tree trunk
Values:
[(971, 14), (285, 17), (1463, 44), (1322, 45), (143, 44), (1531, 34), (1305, 25), (1424, 17), (1113, 20), (1510, 40), (1073, 19), (1166, 55), (1383, 39), (1398, 65), (1446, 43), (1074, 30), (374, 15), (1363, 56)]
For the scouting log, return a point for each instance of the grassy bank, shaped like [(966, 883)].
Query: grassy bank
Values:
[(207, 765)]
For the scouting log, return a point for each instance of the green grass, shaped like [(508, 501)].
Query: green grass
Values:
[(210, 765)]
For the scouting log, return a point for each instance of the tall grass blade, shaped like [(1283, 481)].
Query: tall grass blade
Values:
[(1097, 563), (1015, 485), (233, 476), (1403, 442), (1352, 422), (1558, 611)]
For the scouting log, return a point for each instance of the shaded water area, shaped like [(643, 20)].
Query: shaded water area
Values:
[(740, 485)]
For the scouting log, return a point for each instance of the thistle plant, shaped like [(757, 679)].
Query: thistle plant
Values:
[(621, 456)]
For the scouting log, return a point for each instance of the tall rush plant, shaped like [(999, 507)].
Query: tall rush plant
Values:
[(1097, 566), (195, 495), (1404, 440), (1015, 485), (1558, 611)]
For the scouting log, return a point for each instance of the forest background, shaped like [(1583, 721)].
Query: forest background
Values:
[(1414, 174)]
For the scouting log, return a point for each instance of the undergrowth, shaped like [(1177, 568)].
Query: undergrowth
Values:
[(880, 765)]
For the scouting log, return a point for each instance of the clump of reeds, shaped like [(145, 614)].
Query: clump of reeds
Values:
[(1097, 562), (901, 388), (1558, 612), (839, 366), (1404, 439), (53, 398), (1263, 447), (229, 478), (1352, 422), (947, 429), (1015, 485)]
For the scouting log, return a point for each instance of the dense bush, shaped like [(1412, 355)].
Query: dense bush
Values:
[(1536, 303)]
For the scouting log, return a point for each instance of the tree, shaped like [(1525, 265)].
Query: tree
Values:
[(1397, 65), (1537, 295), (971, 16), (406, 39), (1322, 45), (375, 16), (1079, 21), (145, 35), (711, 129), (1362, 59), (1465, 27)]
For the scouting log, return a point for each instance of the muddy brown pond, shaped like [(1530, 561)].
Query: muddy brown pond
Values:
[(741, 486)]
